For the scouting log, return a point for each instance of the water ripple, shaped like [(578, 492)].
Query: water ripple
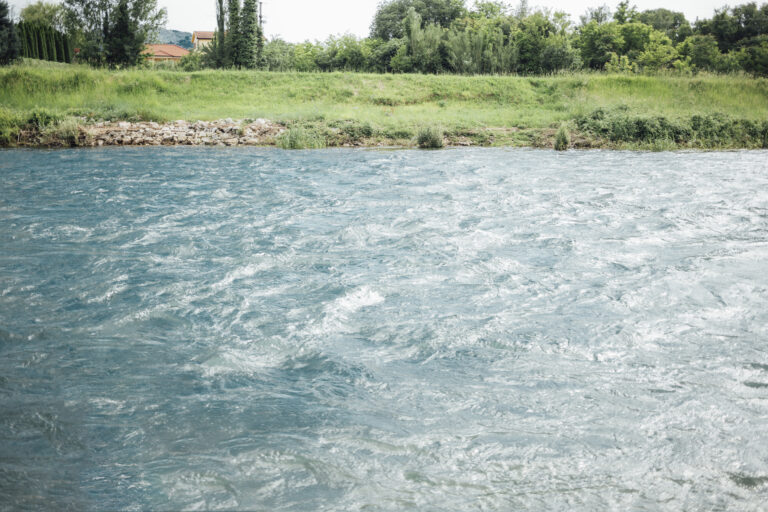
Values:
[(197, 328)]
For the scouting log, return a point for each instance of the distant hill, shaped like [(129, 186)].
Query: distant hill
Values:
[(183, 39)]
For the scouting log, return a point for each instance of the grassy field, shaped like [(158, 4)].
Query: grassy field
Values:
[(599, 109)]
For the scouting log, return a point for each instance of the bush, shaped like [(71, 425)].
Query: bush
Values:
[(41, 118), (10, 124), (356, 130), (66, 131), (301, 138), (713, 130), (430, 138), (562, 139)]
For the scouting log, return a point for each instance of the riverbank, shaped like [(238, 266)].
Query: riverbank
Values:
[(67, 105)]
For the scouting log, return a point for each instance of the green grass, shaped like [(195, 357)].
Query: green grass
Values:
[(349, 107)]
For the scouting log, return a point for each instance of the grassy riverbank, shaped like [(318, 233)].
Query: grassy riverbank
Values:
[(599, 110)]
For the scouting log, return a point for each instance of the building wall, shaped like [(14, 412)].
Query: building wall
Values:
[(201, 43)]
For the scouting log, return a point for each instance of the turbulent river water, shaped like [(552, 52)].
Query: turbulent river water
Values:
[(474, 329)]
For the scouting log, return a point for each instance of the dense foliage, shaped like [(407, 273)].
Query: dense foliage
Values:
[(238, 41), (9, 40), (112, 32), (442, 36), (43, 42), (417, 36)]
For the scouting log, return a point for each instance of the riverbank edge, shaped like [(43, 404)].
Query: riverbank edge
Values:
[(73, 133)]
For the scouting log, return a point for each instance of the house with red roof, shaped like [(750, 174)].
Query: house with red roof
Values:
[(164, 52)]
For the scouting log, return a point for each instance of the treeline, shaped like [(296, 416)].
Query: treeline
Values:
[(442, 36), (238, 40), (44, 42)]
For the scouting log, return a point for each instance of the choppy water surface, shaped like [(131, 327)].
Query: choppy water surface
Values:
[(363, 330)]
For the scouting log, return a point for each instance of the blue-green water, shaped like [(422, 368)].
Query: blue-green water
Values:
[(359, 330)]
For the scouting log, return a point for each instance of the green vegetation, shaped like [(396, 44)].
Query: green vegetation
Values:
[(301, 138), (112, 32), (430, 137), (350, 108), (563, 138), (443, 36), (238, 40), (10, 46)]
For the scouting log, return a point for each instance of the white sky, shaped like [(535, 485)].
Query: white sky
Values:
[(299, 20)]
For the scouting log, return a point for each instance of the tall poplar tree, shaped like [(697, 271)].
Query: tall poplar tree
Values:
[(234, 36), (249, 27)]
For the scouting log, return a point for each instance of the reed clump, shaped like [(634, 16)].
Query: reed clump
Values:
[(563, 138), (301, 138), (430, 137)]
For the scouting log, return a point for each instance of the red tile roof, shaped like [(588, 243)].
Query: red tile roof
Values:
[(202, 34), (166, 50)]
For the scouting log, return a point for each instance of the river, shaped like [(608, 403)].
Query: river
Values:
[(467, 329)]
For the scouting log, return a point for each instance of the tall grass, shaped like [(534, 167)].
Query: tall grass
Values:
[(383, 105), (301, 138)]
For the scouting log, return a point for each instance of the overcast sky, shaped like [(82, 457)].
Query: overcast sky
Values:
[(298, 20)]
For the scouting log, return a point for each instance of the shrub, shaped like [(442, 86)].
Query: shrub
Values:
[(66, 131), (430, 138), (301, 138), (10, 124), (357, 130), (712, 130), (562, 139), (41, 118)]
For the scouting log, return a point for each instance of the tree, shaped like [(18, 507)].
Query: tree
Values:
[(125, 41), (249, 54), (388, 21), (10, 45), (702, 51), (732, 27), (89, 20), (671, 23), (599, 15), (597, 42), (234, 37), (625, 13), (45, 14)]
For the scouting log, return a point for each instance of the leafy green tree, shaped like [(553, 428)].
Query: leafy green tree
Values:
[(599, 15), (382, 53), (388, 20), (703, 52), (625, 13), (731, 27), (305, 56), (278, 55), (125, 41), (425, 47), (754, 58), (636, 37), (559, 54), (490, 9), (44, 14), (598, 41), (530, 40), (658, 53), (10, 44), (672, 23), (89, 21)]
